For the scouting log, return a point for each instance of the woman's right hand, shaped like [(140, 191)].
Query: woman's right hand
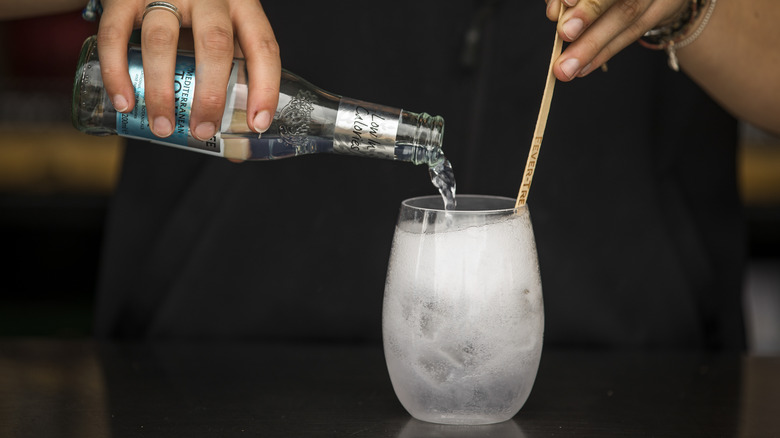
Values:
[(217, 25)]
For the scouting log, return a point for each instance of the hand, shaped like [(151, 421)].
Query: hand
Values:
[(217, 25), (598, 29)]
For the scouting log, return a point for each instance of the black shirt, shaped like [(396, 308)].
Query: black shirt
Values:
[(634, 201)]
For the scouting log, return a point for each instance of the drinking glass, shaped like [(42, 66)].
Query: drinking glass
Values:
[(463, 317)]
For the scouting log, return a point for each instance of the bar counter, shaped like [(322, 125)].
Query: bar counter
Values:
[(84, 388)]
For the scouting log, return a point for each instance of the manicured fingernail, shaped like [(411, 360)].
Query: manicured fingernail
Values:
[(162, 127), (573, 28), (120, 103), (262, 121), (570, 67), (585, 70), (570, 3), (205, 130)]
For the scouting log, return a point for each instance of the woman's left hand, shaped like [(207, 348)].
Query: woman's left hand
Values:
[(598, 29)]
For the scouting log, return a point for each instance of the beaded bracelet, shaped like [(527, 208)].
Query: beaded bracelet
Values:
[(676, 35), (92, 10)]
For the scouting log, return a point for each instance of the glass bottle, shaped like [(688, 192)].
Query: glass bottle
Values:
[(308, 120)]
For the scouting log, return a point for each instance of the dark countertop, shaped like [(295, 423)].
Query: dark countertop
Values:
[(84, 388)]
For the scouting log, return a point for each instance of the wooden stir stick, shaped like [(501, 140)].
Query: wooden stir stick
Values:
[(541, 121)]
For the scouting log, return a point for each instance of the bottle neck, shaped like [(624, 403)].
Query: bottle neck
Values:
[(425, 134), (420, 129)]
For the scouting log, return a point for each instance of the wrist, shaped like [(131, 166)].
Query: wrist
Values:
[(676, 28), (681, 15), (680, 31)]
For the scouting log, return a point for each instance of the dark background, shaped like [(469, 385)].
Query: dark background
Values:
[(55, 184)]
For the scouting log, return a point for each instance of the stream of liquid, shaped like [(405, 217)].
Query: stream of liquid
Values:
[(443, 178)]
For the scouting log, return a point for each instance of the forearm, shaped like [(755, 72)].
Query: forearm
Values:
[(13, 9), (736, 60)]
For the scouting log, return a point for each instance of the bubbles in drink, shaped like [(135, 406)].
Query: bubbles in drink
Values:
[(463, 319)]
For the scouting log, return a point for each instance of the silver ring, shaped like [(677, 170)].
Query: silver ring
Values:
[(164, 6)]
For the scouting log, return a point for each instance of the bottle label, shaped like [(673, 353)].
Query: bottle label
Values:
[(136, 124), (294, 120), (365, 129)]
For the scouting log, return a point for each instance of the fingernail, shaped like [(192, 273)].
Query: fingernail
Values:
[(570, 3), (205, 131), (585, 70), (570, 67), (262, 121), (572, 28), (120, 103), (162, 127)]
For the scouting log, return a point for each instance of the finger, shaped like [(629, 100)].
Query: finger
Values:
[(620, 42), (264, 65), (554, 6), (214, 46), (116, 25), (553, 9), (578, 18), (617, 28), (159, 37)]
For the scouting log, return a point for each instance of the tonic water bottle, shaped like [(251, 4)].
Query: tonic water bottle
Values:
[(308, 120)]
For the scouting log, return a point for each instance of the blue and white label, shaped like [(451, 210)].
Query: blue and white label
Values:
[(136, 123)]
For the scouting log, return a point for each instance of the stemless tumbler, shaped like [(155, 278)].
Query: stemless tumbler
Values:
[(463, 317)]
